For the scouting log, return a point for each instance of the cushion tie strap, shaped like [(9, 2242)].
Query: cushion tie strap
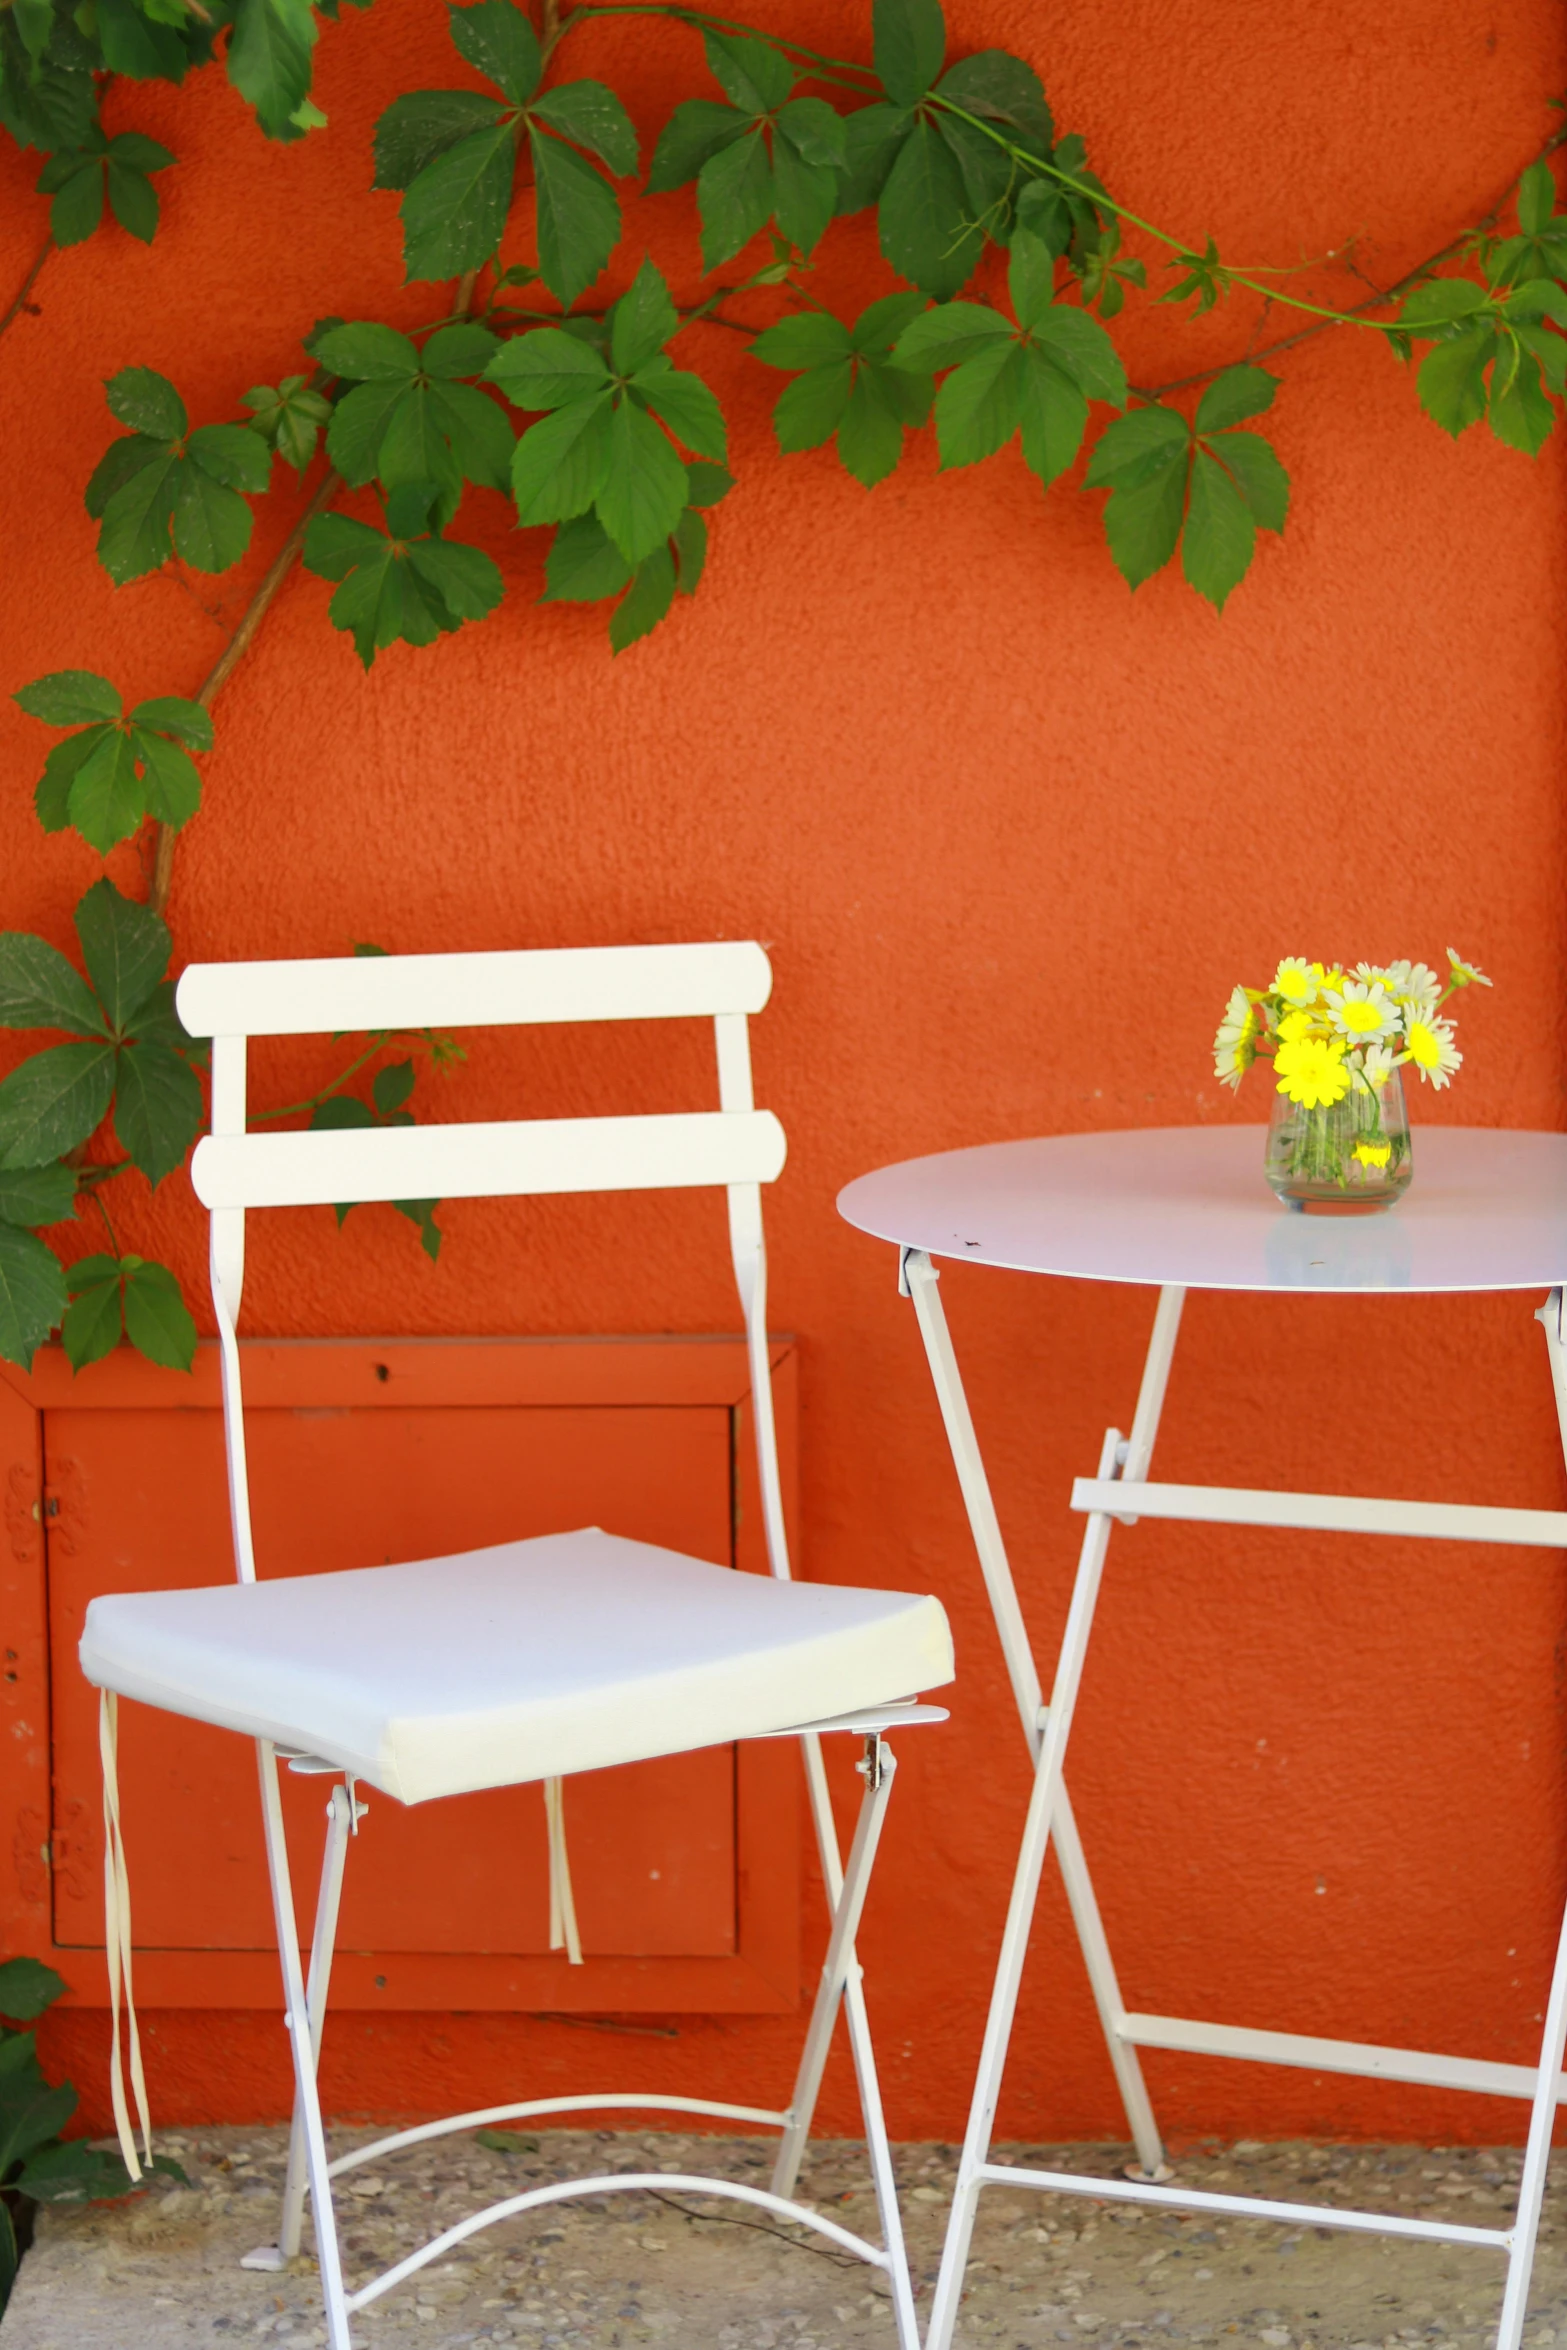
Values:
[(563, 1910), (117, 1945)]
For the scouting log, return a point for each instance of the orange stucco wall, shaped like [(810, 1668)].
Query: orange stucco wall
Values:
[(1010, 835)]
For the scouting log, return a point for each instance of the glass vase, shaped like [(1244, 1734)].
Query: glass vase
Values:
[(1348, 1159)]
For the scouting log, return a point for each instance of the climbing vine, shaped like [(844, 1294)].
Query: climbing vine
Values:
[(1014, 260)]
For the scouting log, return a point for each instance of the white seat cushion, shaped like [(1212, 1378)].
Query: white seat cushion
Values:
[(525, 1661)]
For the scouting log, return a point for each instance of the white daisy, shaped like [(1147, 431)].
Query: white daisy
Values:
[(1235, 1046), (1360, 1010), (1429, 1044), (1413, 983), (1465, 974), (1296, 980)]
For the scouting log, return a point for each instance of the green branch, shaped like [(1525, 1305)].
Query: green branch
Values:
[(27, 285), (841, 70), (313, 1101)]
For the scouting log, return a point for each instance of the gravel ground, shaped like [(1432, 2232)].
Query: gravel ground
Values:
[(163, 2271)]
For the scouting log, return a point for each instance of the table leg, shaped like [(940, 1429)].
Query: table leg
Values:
[(1050, 1728), (919, 1278), (1542, 2118)]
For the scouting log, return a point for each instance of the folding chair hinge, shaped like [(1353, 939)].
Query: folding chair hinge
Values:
[(904, 1256), (873, 1765)]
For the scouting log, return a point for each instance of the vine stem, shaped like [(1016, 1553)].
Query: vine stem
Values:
[(165, 835), (27, 285), (835, 69), (1400, 285)]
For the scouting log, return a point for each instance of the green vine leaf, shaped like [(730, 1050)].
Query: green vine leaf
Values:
[(762, 155), (424, 124), (32, 1294), (35, 1196), (77, 178), (133, 1054), (948, 161), (136, 45), (1207, 487), (846, 387), (54, 1102), (410, 417), (598, 446), (270, 59), (48, 98), (453, 154), (1035, 379), (1494, 355), (498, 41), (1203, 278), (289, 416), (128, 1295), (164, 488), (584, 565), (1540, 248), (909, 42), (390, 1090), (115, 771), (406, 584)]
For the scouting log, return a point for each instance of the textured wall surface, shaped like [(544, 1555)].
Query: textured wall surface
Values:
[(1010, 835)]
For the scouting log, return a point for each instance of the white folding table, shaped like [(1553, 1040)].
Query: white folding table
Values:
[(1179, 1208)]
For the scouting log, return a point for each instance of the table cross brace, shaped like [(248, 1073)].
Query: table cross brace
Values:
[(1104, 1500)]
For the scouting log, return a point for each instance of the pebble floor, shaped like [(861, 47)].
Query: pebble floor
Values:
[(163, 2271)]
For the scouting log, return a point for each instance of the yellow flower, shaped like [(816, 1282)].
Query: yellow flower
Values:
[(1235, 1048), (1373, 1154), (1465, 974), (1311, 1070), (1431, 1047), (1294, 1025)]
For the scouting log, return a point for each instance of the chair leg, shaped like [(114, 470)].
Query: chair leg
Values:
[(842, 1981), (340, 1816), (837, 1966), (297, 2017)]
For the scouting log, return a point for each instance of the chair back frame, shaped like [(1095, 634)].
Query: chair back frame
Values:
[(737, 1147)]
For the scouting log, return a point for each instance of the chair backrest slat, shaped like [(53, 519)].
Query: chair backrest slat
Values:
[(736, 1147), (506, 989), (523, 1156)]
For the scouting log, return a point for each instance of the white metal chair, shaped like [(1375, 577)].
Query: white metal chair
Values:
[(532, 1658)]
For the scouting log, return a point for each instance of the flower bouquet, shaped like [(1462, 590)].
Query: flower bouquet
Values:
[(1338, 1138)]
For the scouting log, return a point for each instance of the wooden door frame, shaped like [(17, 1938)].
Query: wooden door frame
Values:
[(761, 1977)]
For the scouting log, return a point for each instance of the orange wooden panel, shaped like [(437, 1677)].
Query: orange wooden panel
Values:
[(24, 1683), (142, 1505)]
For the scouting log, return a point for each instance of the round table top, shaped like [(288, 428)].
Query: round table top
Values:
[(1188, 1205)]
